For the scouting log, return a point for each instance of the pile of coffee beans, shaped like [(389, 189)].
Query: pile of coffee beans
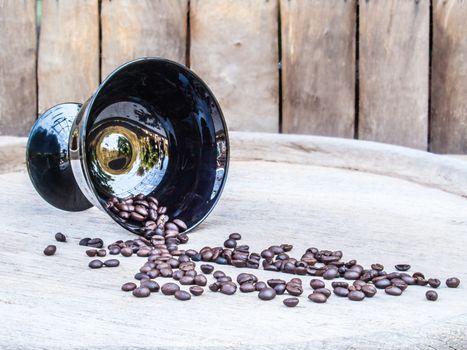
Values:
[(160, 245)]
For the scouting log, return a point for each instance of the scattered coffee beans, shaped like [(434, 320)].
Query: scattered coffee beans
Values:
[(128, 287), (169, 288), (267, 294), (317, 297), (431, 295), (290, 302), (95, 264), (453, 282), (182, 295), (141, 292), (402, 267), (196, 290), (60, 237)]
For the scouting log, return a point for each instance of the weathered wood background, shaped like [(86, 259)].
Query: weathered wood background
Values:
[(393, 71)]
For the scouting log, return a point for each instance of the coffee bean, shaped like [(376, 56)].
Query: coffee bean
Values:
[(290, 302), (91, 252), (50, 250), (369, 290), (382, 283), (235, 236), (402, 267), (274, 282), (60, 237), (332, 273), (186, 280), (377, 267), (153, 286), (339, 284), (218, 274), (351, 275), (228, 288), (95, 243), (126, 252), (294, 289), (317, 297), (114, 250), (316, 283), (101, 253), (95, 264), (324, 291), (200, 280), (280, 289), (128, 287), (341, 292), (214, 287), (418, 275), (141, 292), (421, 281), (230, 243), (431, 295), (453, 282), (247, 287), (196, 290), (181, 224), (267, 293), (169, 288), (434, 282), (84, 241), (260, 285), (141, 276), (112, 263), (392, 290), (356, 295), (182, 295)]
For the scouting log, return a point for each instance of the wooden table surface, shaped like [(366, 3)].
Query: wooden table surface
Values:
[(377, 203)]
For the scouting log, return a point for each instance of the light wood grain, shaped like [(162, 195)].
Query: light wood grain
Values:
[(449, 77), (58, 302), (68, 68), (318, 67), (393, 71), (234, 49), (133, 29), (17, 66)]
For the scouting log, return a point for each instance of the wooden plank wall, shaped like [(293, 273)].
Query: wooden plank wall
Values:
[(391, 71)]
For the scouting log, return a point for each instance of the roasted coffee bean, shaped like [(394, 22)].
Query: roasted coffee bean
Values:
[(356, 295), (95, 264), (431, 295), (317, 297), (453, 282), (228, 288), (434, 282), (332, 273), (218, 274), (60, 237), (141, 276), (418, 275), (247, 287), (180, 224), (280, 289), (267, 254), (101, 253), (377, 267), (114, 251), (409, 280), (50, 250), (351, 275), (421, 281), (260, 285), (399, 284), (95, 243), (200, 280), (224, 279), (91, 252), (153, 286), (402, 267), (141, 210), (169, 288), (392, 290), (214, 287), (112, 263), (369, 290), (141, 292), (235, 236), (196, 290), (267, 293), (182, 295), (382, 283), (339, 284), (294, 289), (290, 302), (316, 283), (186, 280), (128, 287), (324, 291), (126, 252), (274, 282), (341, 292), (287, 247), (84, 241), (230, 243)]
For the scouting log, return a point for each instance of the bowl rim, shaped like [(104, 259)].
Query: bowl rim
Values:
[(85, 118)]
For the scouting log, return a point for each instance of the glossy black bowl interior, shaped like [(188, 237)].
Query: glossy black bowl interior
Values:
[(153, 96)]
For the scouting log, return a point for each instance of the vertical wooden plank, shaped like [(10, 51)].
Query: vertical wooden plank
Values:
[(132, 29), (17, 66), (394, 71), (318, 67), (234, 49), (68, 67), (449, 77)]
